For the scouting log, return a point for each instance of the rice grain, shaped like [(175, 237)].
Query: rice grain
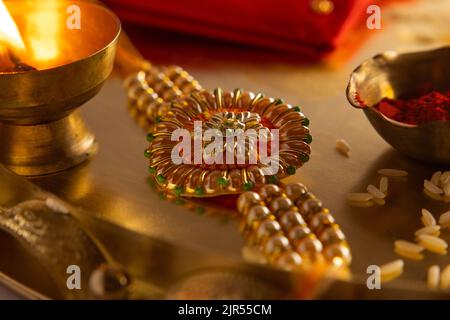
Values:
[(445, 277), (384, 183), (433, 277), (435, 178), (429, 186), (375, 192), (391, 270), (433, 244), (431, 230), (343, 147), (427, 218), (359, 197), (444, 220)]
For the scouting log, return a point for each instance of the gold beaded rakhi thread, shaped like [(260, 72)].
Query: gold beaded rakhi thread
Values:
[(286, 224)]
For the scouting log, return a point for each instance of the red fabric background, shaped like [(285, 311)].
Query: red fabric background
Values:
[(289, 25)]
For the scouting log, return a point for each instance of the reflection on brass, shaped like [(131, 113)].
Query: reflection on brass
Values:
[(219, 284), (56, 240), (39, 132), (395, 75)]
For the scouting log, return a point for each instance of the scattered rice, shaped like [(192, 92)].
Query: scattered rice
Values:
[(433, 195), (445, 177), (408, 246), (408, 250), (375, 192), (359, 197), (343, 147), (384, 182), (429, 186), (392, 173), (435, 178), (445, 277), (433, 244), (380, 202), (391, 270), (446, 188), (433, 277), (431, 230), (427, 218), (444, 220)]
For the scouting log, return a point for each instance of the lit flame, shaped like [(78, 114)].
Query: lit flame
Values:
[(9, 33), (43, 34)]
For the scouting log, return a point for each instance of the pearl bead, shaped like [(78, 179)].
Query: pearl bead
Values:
[(304, 197), (246, 200), (295, 191), (257, 213), (338, 251), (289, 261), (276, 244), (299, 232), (266, 229), (309, 207), (309, 245), (280, 204), (291, 219), (269, 191), (331, 234), (321, 219)]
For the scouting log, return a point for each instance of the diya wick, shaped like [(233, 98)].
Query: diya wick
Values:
[(41, 131)]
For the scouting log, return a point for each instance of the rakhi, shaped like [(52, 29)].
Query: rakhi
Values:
[(286, 223)]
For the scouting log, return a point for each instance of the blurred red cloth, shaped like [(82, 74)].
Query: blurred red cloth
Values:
[(289, 25)]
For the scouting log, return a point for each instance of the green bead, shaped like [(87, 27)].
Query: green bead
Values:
[(151, 170), (308, 138), (247, 186), (162, 196), (297, 109), (304, 157), (291, 170), (158, 119), (199, 191), (222, 181), (306, 122), (278, 101), (272, 179), (178, 190), (147, 153), (150, 137), (160, 178)]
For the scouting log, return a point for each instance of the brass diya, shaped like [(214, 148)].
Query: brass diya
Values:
[(40, 130), (394, 75)]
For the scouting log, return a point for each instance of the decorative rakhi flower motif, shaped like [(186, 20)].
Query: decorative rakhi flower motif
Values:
[(227, 112)]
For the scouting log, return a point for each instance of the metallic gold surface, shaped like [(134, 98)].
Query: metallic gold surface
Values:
[(113, 188), (38, 243), (395, 75), (39, 132)]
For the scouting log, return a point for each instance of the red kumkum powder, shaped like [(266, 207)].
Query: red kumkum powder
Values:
[(433, 106)]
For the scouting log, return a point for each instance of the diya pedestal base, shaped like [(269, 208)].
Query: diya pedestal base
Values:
[(45, 148)]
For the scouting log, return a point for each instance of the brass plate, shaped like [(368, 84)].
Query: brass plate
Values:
[(113, 185)]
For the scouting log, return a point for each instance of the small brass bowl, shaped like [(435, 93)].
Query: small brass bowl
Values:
[(394, 75)]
